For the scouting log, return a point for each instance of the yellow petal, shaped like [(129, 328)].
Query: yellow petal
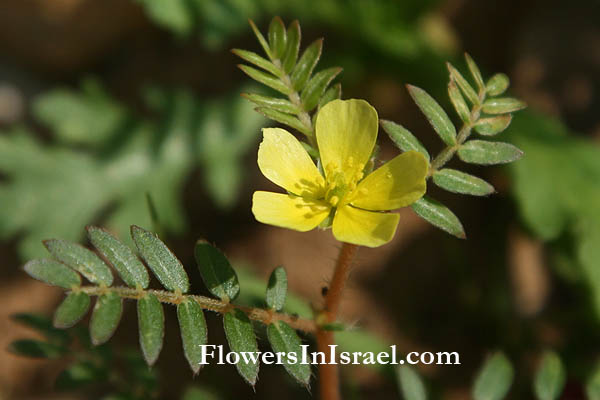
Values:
[(346, 133), (288, 211), (364, 228), (397, 183), (283, 160)]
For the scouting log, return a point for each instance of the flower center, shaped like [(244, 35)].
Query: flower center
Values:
[(341, 182)]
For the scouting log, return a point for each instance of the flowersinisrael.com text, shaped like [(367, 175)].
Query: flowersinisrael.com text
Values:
[(216, 354)]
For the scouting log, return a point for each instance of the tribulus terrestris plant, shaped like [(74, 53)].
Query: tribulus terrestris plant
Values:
[(331, 178)]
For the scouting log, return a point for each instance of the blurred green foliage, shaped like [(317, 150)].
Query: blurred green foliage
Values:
[(103, 158), (215, 21), (557, 189)]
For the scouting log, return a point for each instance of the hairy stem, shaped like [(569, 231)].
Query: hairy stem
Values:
[(257, 314), (328, 373), (463, 134)]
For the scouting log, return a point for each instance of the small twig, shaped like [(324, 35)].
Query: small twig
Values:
[(257, 314)]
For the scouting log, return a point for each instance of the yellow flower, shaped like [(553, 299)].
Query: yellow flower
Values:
[(346, 132)]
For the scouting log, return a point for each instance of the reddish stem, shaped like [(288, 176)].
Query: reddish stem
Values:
[(328, 373)]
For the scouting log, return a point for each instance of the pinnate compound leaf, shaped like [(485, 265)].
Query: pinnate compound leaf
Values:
[(266, 79), (216, 271), (71, 310), (460, 182), (82, 260), (550, 377), (277, 38), (257, 60), (105, 317), (494, 379), (37, 349), (160, 259), (130, 268), (410, 383), (488, 153), (436, 116), (277, 289), (403, 138), (316, 86), (284, 339), (53, 273), (439, 216), (464, 86), (275, 103), (497, 84), (286, 119), (194, 333), (306, 64), (241, 338), (494, 125), (502, 105), (292, 47), (151, 325)]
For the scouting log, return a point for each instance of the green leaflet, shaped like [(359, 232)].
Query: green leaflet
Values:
[(462, 83), (151, 325), (488, 153), (458, 102), (292, 47), (502, 105), (494, 379), (439, 216), (493, 126), (130, 268), (436, 116), (316, 87), (161, 260), (306, 64), (275, 103), (216, 271), (53, 273), (460, 182), (287, 119), (277, 38), (266, 79), (82, 260), (403, 138), (284, 339), (475, 73), (277, 289), (194, 333), (550, 377), (410, 383), (241, 338), (261, 40), (71, 310), (36, 349), (105, 317), (257, 60), (497, 84)]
